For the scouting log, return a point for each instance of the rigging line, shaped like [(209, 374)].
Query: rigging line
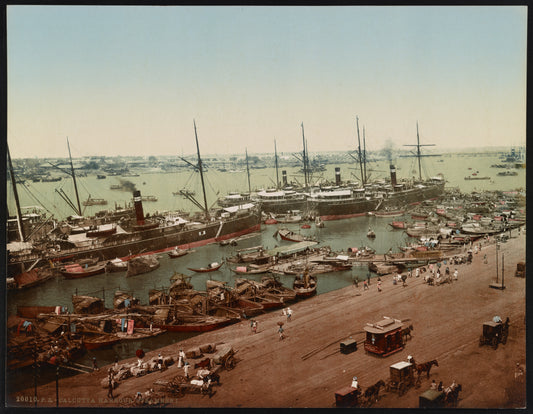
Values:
[(35, 198)]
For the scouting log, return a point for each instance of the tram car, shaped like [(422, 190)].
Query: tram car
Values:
[(384, 337)]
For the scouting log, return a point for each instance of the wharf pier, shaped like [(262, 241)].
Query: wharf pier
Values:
[(274, 373)]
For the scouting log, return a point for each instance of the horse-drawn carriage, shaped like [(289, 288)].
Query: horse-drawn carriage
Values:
[(401, 377), (355, 397), (384, 337), (494, 332)]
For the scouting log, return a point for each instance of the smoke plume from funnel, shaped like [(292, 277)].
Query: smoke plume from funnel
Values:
[(127, 186)]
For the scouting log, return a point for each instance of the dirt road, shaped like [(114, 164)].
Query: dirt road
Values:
[(447, 322)]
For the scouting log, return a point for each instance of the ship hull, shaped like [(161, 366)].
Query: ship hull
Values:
[(128, 245)]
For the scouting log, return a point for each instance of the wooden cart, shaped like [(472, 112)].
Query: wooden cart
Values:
[(347, 397), (431, 399), (179, 386), (401, 377)]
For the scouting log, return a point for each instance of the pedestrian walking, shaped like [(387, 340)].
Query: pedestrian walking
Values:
[(110, 384), (289, 314), (417, 272), (95, 365), (254, 327), (186, 370), (116, 362), (280, 331), (485, 259), (404, 278), (356, 282), (379, 285), (455, 274), (365, 285), (252, 323), (368, 278)]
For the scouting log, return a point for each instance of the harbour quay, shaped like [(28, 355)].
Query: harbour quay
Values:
[(306, 368)]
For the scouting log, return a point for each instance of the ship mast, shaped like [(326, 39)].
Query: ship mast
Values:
[(74, 179), (248, 172), (418, 145), (305, 159), (360, 155), (276, 162), (364, 153), (15, 192), (200, 168)]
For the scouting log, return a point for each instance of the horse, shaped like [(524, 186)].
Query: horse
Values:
[(407, 331), (206, 363), (451, 394), (426, 367), (371, 393)]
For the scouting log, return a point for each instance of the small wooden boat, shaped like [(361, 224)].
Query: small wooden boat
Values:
[(402, 225), (116, 265), (251, 270), (100, 341), (289, 235), (271, 221), (304, 287), (33, 277), (140, 333), (210, 268), (94, 202), (75, 271), (173, 254)]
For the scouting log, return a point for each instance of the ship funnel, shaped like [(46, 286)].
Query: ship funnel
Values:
[(337, 175), (137, 202), (284, 177), (393, 175)]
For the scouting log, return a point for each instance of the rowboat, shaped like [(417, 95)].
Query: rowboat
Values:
[(289, 235), (75, 271), (173, 254), (251, 270), (210, 268), (398, 225), (304, 287)]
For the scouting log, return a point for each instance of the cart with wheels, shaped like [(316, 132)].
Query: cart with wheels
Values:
[(401, 377)]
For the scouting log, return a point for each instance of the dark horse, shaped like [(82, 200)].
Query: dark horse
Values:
[(407, 331), (371, 393), (451, 394), (426, 367)]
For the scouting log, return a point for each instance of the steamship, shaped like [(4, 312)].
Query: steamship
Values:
[(137, 236), (345, 202), (141, 237)]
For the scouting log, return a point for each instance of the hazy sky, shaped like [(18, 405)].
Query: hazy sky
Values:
[(130, 80)]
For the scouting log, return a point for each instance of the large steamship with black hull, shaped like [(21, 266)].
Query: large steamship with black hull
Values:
[(124, 239), (142, 237)]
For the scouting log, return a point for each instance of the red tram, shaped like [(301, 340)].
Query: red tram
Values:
[(384, 337)]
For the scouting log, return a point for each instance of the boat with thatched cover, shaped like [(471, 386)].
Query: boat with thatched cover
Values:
[(116, 265), (87, 304), (142, 264), (124, 300)]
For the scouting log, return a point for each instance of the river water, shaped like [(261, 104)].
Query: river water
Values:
[(339, 235)]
